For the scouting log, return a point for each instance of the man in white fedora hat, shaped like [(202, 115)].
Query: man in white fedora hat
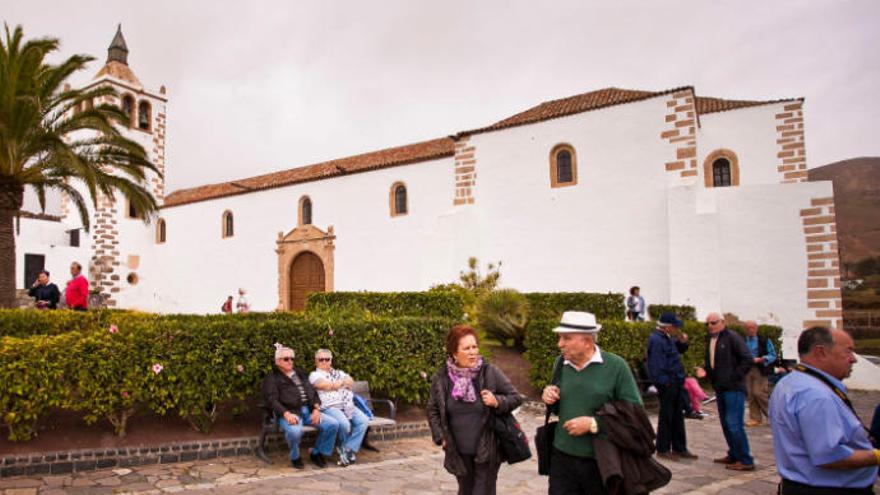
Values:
[(589, 379)]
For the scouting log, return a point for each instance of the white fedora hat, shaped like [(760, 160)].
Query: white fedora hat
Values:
[(578, 322)]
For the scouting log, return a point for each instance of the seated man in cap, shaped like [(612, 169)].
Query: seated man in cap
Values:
[(667, 374), (290, 395), (589, 379)]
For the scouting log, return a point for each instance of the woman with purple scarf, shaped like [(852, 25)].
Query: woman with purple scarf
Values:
[(465, 393)]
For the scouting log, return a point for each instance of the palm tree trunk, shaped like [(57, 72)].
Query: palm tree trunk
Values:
[(11, 196)]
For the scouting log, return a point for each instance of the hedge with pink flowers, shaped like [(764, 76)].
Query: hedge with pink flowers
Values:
[(198, 366)]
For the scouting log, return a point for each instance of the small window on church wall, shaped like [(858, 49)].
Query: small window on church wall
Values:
[(144, 115), (398, 199), (228, 225), (128, 107), (132, 211), (721, 173), (160, 231), (305, 211), (563, 166)]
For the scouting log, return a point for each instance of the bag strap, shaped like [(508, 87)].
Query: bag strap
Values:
[(556, 377), (839, 393)]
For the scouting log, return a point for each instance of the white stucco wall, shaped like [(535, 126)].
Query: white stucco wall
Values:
[(50, 239)]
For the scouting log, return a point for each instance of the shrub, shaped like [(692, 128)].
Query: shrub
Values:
[(503, 314), (627, 339), (683, 311), (441, 304), (551, 305), (190, 365)]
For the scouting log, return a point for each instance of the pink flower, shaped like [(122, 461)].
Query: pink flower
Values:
[(330, 332), (157, 368), (239, 368), (124, 394), (114, 329), (423, 375)]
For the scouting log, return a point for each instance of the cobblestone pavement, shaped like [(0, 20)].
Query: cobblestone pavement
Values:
[(409, 466)]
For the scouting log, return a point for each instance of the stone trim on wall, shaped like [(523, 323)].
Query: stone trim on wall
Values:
[(465, 172), (708, 174), (157, 183), (681, 132), (301, 239), (105, 251), (790, 139), (824, 300)]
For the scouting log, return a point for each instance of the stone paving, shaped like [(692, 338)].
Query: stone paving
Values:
[(410, 466)]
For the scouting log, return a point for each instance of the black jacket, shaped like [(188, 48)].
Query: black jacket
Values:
[(281, 395), (624, 448), (732, 362), (48, 293), (488, 450)]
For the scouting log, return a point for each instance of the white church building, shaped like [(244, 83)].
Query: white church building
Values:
[(698, 200)]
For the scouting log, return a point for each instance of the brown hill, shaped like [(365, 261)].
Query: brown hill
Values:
[(857, 204)]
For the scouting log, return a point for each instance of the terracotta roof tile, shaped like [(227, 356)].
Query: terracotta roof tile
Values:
[(711, 105), (401, 155)]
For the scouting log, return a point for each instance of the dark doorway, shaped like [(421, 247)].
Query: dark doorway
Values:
[(33, 263)]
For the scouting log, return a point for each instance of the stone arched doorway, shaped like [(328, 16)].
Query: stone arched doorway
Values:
[(305, 265), (306, 276)]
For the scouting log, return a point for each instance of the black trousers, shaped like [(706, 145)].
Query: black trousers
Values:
[(670, 426), (480, 478), (570, 475), (794, 488)]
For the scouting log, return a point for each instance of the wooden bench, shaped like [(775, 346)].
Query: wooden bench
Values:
[(362, 388)]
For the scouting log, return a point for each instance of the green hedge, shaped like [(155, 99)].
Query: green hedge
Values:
[(551, 305), (441, 304), (683, 311), (205, 362), (627, 339)]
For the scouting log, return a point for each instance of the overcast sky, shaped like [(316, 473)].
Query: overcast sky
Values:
[(261, 86)]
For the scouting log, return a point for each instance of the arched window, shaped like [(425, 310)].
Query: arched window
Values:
[(144, 115), (563, 166), (305, 211), (228, 224), (721, 169), (128, 108), (160, 231), (398, 200)]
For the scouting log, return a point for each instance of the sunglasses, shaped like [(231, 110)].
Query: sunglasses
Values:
[(324, 360), (713, 322), (288, 359)]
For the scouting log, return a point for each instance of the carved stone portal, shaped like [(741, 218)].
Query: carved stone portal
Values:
[(305, 265)]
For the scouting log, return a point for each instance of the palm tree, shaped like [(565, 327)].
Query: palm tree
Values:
[(46, 145)]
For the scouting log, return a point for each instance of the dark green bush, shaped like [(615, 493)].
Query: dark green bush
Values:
[(683, 311), (442, 304), (502, 314), (189, 365), (551, 305), (629, 340)]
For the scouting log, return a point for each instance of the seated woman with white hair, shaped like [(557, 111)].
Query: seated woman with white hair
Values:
[(337, 401)]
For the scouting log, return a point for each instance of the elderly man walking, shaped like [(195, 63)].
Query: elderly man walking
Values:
[(727, 362), (667, 374), (589, 379), (820, 444), (757, 387)]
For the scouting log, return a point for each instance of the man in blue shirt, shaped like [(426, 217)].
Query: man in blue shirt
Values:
[(820, 444), (667, 374), (757, 387)]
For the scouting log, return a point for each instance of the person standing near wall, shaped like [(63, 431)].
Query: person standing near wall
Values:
[(46, 294), (635, 305), (226, 308), (757, 386), (243, 305), (76, 295)]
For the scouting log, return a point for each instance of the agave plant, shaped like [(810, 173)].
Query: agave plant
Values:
[(46, 145), (503, 314)]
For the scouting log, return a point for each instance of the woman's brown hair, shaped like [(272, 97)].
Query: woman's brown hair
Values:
[(455, 335)]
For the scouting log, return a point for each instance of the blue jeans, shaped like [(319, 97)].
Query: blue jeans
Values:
[(294, 433), (731, 409), (351, 432)]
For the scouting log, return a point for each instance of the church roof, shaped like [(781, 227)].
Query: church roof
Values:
[(437, 148), (390, 157), (117, 61)]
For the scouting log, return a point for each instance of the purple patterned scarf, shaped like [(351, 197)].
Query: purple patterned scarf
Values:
[(463, 380)]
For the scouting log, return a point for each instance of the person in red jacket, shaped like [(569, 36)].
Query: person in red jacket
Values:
[(76, 295)]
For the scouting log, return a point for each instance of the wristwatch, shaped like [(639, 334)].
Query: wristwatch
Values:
[(594, 426)]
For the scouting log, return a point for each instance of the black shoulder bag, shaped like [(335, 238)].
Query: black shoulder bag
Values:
[(803, 369), (545, 434)]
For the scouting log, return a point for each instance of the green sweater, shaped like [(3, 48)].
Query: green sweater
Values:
[(583, 392)]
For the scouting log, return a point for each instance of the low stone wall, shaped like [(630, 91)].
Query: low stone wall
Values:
[(103, 458)]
